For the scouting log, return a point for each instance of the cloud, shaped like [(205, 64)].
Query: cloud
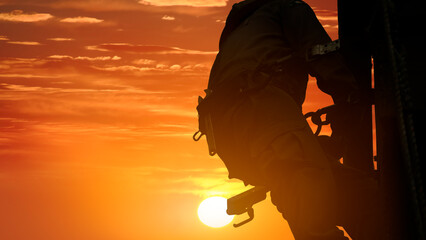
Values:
[(186, 7), (327, 18), (168, 18), (203, 182), (160, 67), (326, 15), (329, 21), (24, 43), (104, 58), (18, 75), (181, 29), (80, 19), (4, 38), (330, 26), (192, 3), (175, 67), (124, 68), (126, 47), (95, 5), (20, 16), (143, 61), (28, 63), (58, 39), (171, 110)]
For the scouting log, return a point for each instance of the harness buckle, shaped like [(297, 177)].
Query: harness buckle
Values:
[(322, 49)]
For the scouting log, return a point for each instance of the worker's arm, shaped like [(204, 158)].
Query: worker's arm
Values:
[(303, 31)]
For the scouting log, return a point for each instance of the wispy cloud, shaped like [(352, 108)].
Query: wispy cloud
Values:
[(103, 58), (20, 16), (95, 5), (144, 61), (329, 21), (155, 68), (59, 39), (4, 38), (182, 29), (330, 26), (80, 19), (326, 18), (157, 49), (171, 110), (193, 3), (186, 7), (127, 68), (168, 18), (29, 43), (18, 75), (203, 182), (25, 64), (326, 15)]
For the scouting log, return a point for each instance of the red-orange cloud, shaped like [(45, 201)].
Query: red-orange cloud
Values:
[(20, 16), (60, 39), (80, 19), (29, 43), (103, 58), (193, 3), (126, 47)]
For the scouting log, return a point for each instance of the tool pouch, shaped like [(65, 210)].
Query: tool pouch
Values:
[(205, 123), (209, 107)]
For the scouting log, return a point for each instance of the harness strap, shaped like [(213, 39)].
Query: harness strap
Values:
[(322, 49)]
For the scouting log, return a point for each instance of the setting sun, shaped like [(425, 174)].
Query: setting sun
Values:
[(212, 212)]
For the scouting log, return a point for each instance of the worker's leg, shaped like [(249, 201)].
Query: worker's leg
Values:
[(302, 186), (357, 200), (292, 164), (264, 139)]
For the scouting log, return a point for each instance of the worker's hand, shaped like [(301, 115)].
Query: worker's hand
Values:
[(331, 147), (349, 113), (343, 119)]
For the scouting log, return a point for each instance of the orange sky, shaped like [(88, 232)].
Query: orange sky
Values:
[(97, 112)]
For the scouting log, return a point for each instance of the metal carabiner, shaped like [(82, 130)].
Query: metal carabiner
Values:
[(316, 118), (197, 135)]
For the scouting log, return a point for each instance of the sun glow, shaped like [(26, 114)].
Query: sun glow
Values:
[(212, 212)]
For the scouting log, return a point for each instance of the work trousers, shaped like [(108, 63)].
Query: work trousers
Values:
[(264, 139)]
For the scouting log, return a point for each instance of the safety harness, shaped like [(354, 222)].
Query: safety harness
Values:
[(255, 80)]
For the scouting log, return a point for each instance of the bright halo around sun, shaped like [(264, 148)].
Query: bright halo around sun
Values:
[(212, 212)]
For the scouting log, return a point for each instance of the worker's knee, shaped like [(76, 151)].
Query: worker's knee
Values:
[(305, 193)]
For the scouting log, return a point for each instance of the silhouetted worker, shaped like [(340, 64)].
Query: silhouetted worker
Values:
[(252, 115)]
